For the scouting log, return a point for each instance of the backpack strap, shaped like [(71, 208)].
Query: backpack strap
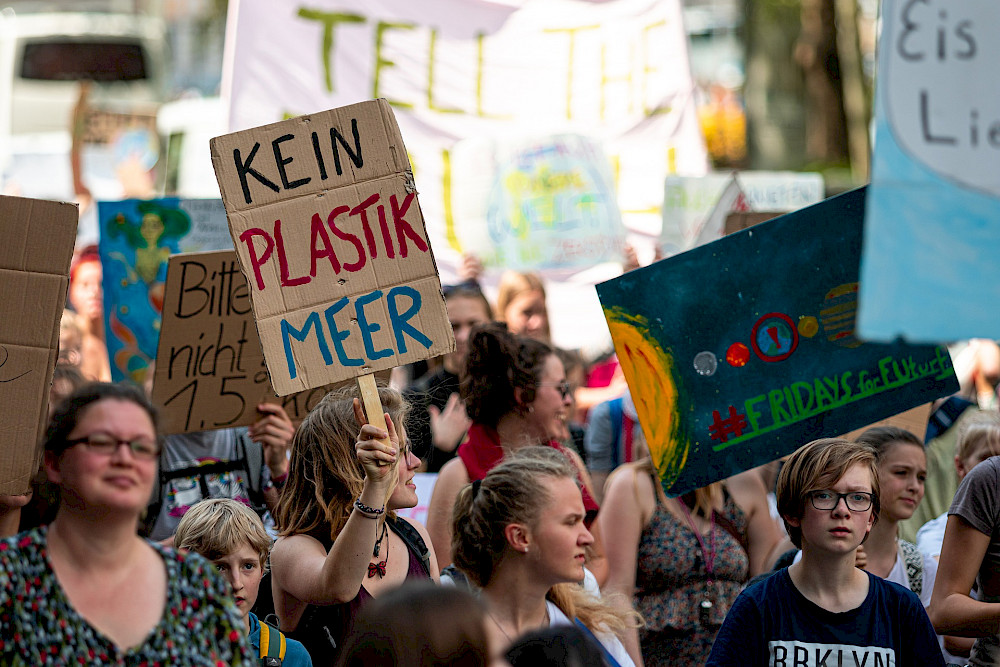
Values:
[(913, 560), (609, 659), (615, 411), (155, 503), (411, 536), (272, 645), (249, 458), (252, 455)]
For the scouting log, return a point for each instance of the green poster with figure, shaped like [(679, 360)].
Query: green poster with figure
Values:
[(137, 237)]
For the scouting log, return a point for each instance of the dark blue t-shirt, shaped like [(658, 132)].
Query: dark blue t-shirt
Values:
[(772, 623)]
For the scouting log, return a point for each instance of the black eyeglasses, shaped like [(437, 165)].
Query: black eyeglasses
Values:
[(824, 499), (564, 387), (106, 445)]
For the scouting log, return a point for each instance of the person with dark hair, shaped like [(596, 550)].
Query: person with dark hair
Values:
[(87, 589), (340, 543), (517, 395), (823, 609), (438, 421), (518, 534), (565, 646), (419, 625)]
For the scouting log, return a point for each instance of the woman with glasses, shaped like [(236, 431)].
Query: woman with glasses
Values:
[(86, 589), (340, 542), (517, 395), (682, 561), (823, 609)]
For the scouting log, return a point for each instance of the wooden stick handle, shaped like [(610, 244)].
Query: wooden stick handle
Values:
[(372, 404)]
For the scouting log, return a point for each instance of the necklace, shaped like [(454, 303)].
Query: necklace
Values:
[(708, 556), (545, 623), (497, 623), (379, 567)]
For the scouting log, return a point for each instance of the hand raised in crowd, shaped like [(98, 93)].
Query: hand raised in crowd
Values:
[(376, 448), (274, 431), (471, 268), (448, 426), (631, 259)]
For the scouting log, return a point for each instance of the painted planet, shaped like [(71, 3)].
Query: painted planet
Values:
[(738, 355)]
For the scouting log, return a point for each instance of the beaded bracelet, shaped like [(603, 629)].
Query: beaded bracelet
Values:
[(369, 512), (279, 481)]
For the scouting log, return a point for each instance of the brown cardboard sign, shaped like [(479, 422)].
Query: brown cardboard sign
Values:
[(913, 420), (210, 370), (738, 221), (34, 275), (324, 216)]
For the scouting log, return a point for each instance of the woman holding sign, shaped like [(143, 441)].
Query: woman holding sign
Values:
[(340, 542), (86, 589), (517, 395)]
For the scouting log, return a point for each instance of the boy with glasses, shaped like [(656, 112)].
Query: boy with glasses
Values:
[(823, 610)]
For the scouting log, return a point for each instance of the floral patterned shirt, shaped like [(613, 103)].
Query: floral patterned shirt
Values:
[(200, 625)]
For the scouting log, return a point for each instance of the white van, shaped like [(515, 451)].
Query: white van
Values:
[(43, 58)]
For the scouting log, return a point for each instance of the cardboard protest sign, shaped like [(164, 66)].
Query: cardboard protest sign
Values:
[(324, 215), (210, 370), (932, 231), (744, 220), (913, 420), (136, 238), (34, 274), (742, 350)]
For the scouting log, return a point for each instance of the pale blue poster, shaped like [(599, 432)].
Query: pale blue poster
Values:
[(929, 269), (136, 239), (539, 203)]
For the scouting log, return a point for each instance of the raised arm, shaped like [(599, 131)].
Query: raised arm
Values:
[(952, 610), (304, 570)]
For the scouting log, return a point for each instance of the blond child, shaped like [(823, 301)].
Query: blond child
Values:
[(232, 536)]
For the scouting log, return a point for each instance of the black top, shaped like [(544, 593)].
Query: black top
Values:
[(433, 389)]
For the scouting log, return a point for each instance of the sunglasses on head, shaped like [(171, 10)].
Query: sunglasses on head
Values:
[(466, 287)]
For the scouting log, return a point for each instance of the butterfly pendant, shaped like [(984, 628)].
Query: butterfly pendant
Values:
[(376, 568)]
